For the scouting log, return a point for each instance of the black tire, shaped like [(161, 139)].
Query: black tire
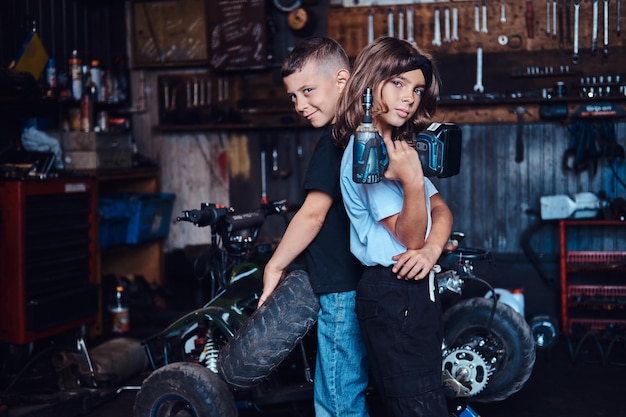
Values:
[(511, 344), (270, 333), (184, 389)]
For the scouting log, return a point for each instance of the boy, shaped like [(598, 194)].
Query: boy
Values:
[(314, 74)]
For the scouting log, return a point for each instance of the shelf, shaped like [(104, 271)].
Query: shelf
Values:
[(593, 285), (145, 259)]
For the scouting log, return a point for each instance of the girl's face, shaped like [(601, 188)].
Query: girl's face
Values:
[(401, 95)]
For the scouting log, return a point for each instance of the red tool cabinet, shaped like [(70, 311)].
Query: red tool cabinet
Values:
[(593, 282), (47, 257)]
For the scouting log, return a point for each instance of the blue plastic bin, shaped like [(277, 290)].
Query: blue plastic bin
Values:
[(113, 231), (149, 214)]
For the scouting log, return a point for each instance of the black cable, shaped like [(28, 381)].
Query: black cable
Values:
[(495, 301)]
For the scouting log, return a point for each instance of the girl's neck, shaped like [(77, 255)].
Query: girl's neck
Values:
[(383, 129)]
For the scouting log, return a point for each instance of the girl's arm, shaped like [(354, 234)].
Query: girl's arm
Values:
[(409, 226)]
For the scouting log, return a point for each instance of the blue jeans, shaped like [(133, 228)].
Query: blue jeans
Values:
[(341, 365)]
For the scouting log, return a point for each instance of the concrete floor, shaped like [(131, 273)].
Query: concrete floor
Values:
[(558, 387), (569, 380)]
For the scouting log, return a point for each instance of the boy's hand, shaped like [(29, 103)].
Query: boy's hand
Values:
[(415, 263), (404, 162), (271, 278)]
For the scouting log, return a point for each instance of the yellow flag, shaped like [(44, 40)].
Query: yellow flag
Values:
[(32, 57)]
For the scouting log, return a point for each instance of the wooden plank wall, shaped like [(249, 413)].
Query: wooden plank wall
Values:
[(488, 199), (491, 196), (505, 67), (349, 26)]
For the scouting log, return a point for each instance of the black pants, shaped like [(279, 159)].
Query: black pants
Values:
[(402, 329)]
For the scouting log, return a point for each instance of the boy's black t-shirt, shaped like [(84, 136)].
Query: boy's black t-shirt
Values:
[(331, 265)]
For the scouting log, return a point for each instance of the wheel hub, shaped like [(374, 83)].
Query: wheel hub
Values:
[(468, 367)]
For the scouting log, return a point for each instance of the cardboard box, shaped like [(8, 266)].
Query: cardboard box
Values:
[(96, 150), (97, 159), (95, 141)]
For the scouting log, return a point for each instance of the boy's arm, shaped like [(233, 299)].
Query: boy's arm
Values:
[(415, 264), (302, 229)]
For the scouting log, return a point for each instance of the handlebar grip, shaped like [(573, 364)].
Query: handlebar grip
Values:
[(206, 216), (244, 221)]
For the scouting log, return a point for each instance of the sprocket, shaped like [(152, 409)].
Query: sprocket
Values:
[(468, 367)]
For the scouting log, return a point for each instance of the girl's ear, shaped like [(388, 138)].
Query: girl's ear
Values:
[(342, 78)]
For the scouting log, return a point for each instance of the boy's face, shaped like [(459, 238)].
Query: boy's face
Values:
[(402, 96), (314, 92)]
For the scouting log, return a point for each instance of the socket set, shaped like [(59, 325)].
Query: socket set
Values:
[(602, 86)]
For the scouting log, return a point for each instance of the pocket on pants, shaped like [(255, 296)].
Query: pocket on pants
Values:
[(365, 308)]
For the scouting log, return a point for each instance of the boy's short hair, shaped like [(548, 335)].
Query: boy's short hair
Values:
[(321, 50)]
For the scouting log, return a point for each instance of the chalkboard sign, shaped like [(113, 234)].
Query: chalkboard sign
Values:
[(168, 33), (238, 34)]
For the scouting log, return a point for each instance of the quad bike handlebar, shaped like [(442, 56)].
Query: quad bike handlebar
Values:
[(210, 214)]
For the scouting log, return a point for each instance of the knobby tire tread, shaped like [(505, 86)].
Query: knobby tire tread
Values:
[(271, 333), (203, 391), (509, 326)]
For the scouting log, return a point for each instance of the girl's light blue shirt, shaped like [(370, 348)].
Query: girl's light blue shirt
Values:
[(367, 205)]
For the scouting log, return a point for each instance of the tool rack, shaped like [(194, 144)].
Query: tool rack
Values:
[(593, 285)]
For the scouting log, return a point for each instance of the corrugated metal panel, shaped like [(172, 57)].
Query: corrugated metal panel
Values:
[(491, 197)]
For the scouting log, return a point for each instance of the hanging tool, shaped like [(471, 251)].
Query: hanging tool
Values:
[(390, 22), (476, 18), (446, 26), (478, 87), (484, 9), (502, 12), (594, 30), (576, 57), (619, 16), (554, 18), (519, 139), (400, 24), (437, 38), (455, 24), (560, 12), (409, 26), (605, 50), (530, 19)]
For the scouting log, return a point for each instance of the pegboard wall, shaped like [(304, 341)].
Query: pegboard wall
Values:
[(349, 25)]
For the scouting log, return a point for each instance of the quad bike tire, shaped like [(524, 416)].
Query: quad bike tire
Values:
[(184, 389), (468, 319), (271, 333)]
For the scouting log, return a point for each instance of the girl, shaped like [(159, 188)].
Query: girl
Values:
[(399, 311)]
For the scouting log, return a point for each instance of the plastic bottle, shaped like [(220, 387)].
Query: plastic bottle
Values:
[(51, 77), (119, 312), (96, 78), (76, 75), (513, 298), (87, 101), (367, 146)]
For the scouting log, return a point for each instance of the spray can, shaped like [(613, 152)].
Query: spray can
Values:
[(76, 75), (367, 149), (51, 76), (119, 312)]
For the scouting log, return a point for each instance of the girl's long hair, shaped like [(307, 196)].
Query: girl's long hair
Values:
[(378, 62)]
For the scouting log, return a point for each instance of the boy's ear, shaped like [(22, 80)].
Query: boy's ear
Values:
[(342, 78)]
